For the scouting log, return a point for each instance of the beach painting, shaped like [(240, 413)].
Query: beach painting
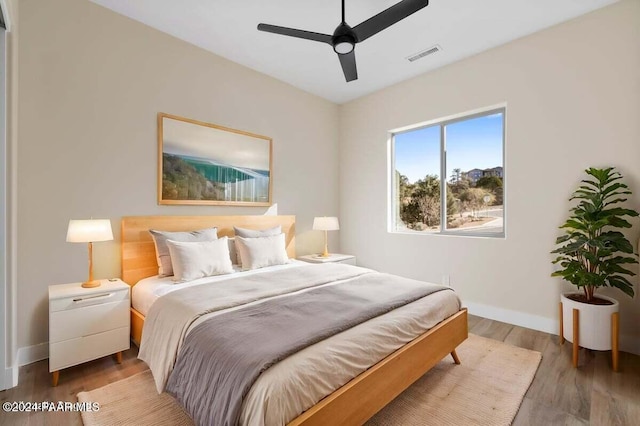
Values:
[(203, 163)]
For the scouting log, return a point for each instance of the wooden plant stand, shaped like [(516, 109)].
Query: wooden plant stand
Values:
[(615, 336)]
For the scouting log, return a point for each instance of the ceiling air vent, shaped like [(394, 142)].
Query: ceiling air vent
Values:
[(424, 53)]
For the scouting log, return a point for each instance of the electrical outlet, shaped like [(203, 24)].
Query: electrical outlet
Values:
[(446, 281)]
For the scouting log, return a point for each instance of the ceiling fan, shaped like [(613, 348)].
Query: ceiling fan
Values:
[(344, 38)]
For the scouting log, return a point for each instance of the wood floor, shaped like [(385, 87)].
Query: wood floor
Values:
[(559, 394)]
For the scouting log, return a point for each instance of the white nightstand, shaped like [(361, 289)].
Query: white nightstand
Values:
[(87, 323), (333, 258)]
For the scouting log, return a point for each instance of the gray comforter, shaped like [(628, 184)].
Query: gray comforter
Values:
[(222, 357)]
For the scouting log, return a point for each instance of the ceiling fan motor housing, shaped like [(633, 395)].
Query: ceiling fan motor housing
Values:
[(344, 39)]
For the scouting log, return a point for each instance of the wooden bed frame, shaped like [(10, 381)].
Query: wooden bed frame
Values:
[(355, 402)]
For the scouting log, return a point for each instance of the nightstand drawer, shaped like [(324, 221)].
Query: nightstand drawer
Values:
[(88, 320), (81, 301), (75, 351)]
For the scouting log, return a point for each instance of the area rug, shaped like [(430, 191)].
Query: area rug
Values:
[(486, 389)]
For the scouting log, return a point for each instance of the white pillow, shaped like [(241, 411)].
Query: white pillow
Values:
[(192, 260), (253, 233), (160, 238), (260, 252)]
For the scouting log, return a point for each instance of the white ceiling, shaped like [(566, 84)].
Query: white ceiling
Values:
[(461, 27)]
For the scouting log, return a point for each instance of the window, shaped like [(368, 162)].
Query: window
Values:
[(451, 169)]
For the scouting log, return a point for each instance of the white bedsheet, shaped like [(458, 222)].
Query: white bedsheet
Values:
[(147, 290)]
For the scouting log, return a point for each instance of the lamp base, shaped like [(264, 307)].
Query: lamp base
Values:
[(91, 284), (325, 253)]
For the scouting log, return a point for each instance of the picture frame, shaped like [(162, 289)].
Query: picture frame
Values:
[(202, 163)]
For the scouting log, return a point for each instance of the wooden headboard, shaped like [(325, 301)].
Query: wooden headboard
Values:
[(139, 253)]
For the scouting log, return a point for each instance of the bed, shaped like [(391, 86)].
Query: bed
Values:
[(358, 398)]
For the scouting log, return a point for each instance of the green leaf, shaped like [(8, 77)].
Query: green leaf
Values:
[(622, 284), (590, 183), (620, 260), (617, 200), (613, 187), (619, 211), (574, 224)]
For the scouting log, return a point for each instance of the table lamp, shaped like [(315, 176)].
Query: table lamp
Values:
[(325, 224), (89, 231)]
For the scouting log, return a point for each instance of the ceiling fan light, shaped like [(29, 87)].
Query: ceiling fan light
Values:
[(343, 47)]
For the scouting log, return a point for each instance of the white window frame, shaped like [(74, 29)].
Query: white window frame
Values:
[(443, 122)]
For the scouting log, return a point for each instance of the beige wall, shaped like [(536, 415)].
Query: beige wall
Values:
[(573, 101), (91, 84)]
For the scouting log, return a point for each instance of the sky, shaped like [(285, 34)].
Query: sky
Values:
[(470, 144), (228, 147)]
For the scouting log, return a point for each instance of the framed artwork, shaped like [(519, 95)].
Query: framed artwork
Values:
[(206, 164)]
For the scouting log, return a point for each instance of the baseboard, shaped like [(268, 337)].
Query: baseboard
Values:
[(9, 378), (522, 319), (628, 343), (30, 354)]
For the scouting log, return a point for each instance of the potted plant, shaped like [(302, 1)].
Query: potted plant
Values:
[(593, 253)]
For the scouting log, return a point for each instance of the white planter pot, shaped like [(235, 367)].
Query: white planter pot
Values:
[(594, 321)]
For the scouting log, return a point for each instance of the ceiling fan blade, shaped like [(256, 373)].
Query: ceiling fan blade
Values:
[(292, 32), (348, 62), (388, 17)]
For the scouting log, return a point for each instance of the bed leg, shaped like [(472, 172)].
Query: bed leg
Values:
[(454, 355)]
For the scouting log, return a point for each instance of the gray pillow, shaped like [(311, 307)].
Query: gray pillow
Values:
[(257, 233), (160, 238), (233, 253)]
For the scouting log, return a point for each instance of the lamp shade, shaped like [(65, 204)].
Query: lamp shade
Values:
[(325, 224), (89, 231)]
